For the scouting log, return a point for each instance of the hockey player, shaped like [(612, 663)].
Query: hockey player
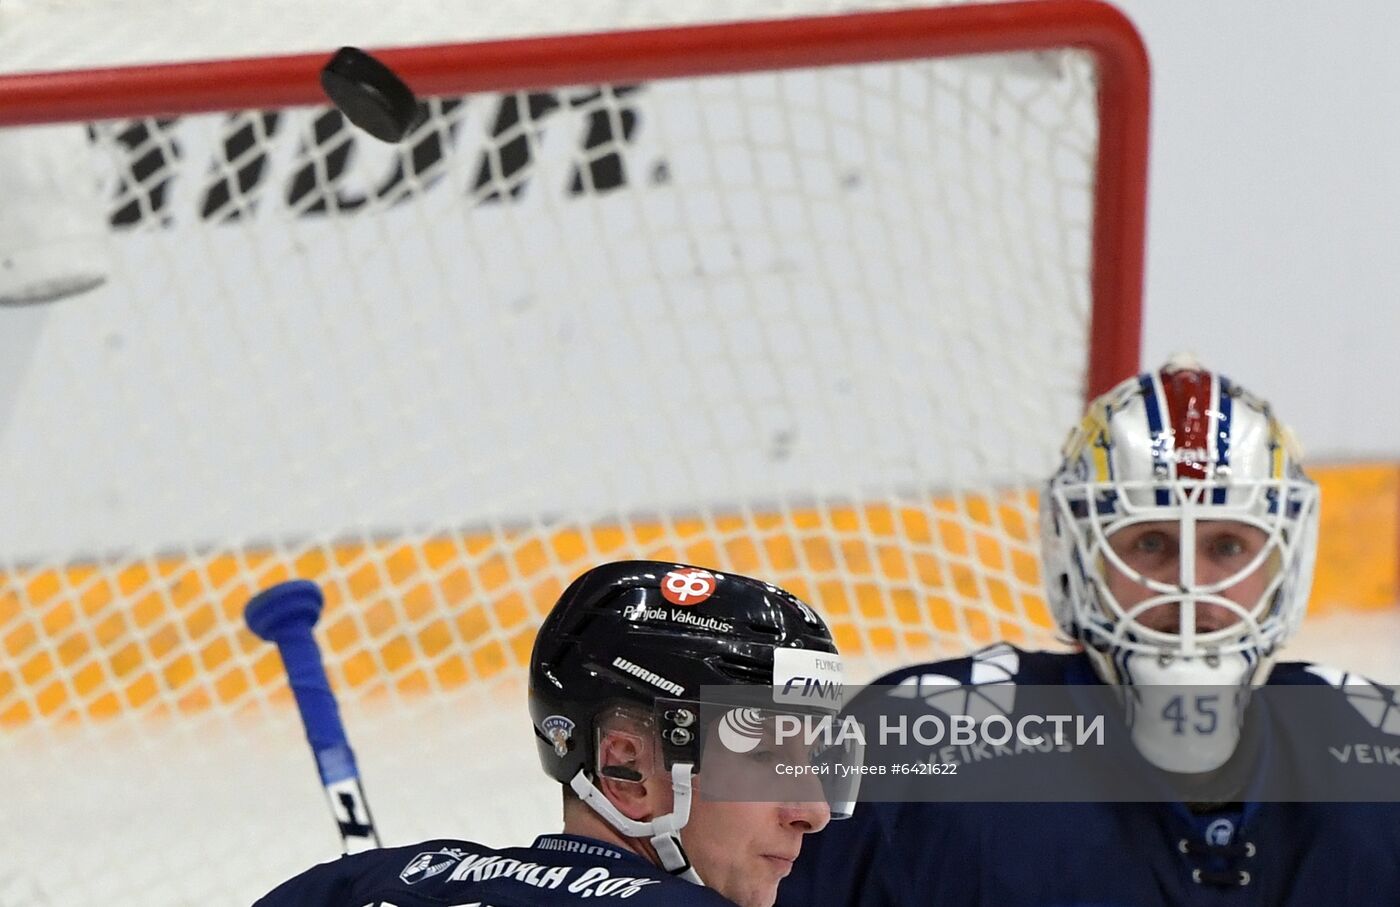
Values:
[(616, 681), (1179, 536)]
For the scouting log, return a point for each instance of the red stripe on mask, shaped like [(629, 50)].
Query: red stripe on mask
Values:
[(1188, 395)]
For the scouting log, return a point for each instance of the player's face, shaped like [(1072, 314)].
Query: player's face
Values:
[(1225, 552), (743, 849)]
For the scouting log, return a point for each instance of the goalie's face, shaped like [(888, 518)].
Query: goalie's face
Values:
[(1217, 570)]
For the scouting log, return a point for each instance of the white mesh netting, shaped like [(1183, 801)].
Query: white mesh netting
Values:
[(822, 326)]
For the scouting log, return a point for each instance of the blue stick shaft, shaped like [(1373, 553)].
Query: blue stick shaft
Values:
[(285, 614), (320, 714)]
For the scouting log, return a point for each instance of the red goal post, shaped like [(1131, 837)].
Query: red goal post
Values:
[(773, 321)]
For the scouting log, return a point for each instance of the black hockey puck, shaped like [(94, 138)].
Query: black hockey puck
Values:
[(370, 95)]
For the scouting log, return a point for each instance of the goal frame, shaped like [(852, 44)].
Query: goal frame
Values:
[(430, 624), (1118, 235)]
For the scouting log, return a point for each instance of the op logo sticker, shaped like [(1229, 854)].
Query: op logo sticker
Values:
[(688, 587), (427, 865)]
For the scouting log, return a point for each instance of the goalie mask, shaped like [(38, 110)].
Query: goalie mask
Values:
[(1179, 537), (655, 641)]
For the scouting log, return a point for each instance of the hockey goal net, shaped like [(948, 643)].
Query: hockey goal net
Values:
[(812, 298)]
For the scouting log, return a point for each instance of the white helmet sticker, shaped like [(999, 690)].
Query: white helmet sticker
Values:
[(804, 677)]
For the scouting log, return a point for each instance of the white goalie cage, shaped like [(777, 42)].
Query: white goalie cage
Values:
[(813, 299)]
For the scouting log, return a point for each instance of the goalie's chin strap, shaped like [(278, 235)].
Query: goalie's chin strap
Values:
[(664, 832)]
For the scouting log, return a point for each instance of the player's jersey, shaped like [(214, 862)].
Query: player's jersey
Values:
[(556, 870), (1115, 854)]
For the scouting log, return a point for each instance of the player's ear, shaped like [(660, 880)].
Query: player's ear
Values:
[(625, 775)]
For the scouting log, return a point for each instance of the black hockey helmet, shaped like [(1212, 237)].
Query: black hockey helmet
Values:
[(646, 631)]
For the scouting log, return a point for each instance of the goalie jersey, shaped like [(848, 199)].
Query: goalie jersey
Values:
[(556, 870), (1119, 854)]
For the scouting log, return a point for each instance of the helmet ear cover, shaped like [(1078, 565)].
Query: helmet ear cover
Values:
[(632, 744), (626, 746)]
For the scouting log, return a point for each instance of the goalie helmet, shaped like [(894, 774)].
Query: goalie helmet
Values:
[(1161, 468), (652, 635)]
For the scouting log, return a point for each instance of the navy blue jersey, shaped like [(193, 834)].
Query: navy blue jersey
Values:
[(555, 870), (1115, 854)]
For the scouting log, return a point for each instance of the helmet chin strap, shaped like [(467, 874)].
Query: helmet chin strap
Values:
[(663, 832)]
